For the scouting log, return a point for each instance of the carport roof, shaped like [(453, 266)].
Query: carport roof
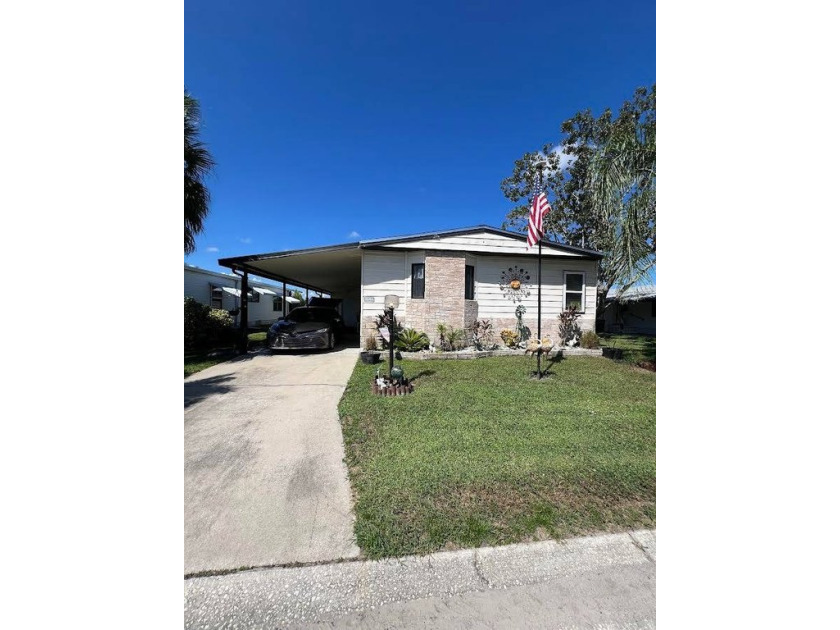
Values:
[(332, 268)]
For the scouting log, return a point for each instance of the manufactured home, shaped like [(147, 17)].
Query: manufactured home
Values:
[(453, 277), (632, 312), (221, 290)]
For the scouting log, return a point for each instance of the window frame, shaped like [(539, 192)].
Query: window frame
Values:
[(582, 291), (423, 280), (469, 282), (213, 299), (275, 302)]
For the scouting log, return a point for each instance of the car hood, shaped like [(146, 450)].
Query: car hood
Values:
[(284, 326)]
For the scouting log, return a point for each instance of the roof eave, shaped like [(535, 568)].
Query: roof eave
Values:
[(379, 242), (240, 260)]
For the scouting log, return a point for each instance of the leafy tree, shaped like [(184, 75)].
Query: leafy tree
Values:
[(601, 183), (298, 295), (197, 165)]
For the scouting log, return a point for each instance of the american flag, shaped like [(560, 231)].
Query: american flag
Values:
[(539, 209)]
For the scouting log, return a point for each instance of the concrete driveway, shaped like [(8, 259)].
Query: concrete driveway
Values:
[(264, 478)]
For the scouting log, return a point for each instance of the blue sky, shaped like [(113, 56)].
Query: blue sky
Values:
[(331, 122)]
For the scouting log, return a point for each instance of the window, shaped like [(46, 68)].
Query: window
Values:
[(253, 296), (215, 297), (574, 291), (469, 282), (418, 281), (278, 305)]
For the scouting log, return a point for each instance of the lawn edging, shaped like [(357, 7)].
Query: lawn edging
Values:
[(506, 352)]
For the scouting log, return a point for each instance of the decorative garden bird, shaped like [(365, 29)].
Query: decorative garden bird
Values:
[(535, 346)]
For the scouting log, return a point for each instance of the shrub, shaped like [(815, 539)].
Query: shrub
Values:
[(482, 335), (569, 328), (590, 340), (195, 319), (220, 318), (412, 340), (441, 331), (509, 337), (456, 338), (220, 327), (450, 338), (204, 327), (370, 342), (383, 321)]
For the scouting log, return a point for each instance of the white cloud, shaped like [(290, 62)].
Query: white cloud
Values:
[(353, 234), (245, 240), (212, 249), (565, 159)]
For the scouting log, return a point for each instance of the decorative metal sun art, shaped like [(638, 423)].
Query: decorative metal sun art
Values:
[(515, 283)]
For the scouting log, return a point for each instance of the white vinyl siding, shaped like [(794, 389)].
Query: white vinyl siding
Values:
[(384, 273), (492, 302), (484, 242), (198, 284)]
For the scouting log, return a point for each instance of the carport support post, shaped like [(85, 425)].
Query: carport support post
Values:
[(285, 310), (243, 314)]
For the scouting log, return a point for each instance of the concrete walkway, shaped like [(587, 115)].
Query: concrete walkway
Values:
[(264, 477), (606, 581)]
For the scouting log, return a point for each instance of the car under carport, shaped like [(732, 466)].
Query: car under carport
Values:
[(335, 270)]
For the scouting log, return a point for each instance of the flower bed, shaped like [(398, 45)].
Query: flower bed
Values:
[(501, 352)]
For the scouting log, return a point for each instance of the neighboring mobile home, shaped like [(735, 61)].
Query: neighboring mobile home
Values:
[(634, 312), (221, 290), (454, 277)]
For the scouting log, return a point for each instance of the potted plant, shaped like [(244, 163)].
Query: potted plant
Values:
[(370, 355)]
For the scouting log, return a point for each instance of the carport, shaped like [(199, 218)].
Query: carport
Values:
[(336, 270)]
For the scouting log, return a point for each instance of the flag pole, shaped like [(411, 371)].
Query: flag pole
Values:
[(539, 309), (535, 232)]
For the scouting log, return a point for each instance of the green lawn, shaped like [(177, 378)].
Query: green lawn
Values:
[(636, 347), (482, 454), (197, 362)]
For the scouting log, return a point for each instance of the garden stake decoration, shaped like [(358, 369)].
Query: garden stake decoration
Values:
[(391, 302), (394, 382), (521, 329)]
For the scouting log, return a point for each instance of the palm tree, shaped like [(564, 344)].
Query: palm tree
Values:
[(197, 165), (622, 185)]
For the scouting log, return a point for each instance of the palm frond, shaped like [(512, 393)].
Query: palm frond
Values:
[(198, 163)]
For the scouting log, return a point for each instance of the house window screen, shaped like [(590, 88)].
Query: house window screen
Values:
[(574, 291), (215, 297), (469, 283), (418, 281)]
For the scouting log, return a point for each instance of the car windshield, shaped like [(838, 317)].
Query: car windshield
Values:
[(301, 315)]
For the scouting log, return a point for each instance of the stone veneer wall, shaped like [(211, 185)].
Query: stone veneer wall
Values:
[(444, 298), (470, 312)]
